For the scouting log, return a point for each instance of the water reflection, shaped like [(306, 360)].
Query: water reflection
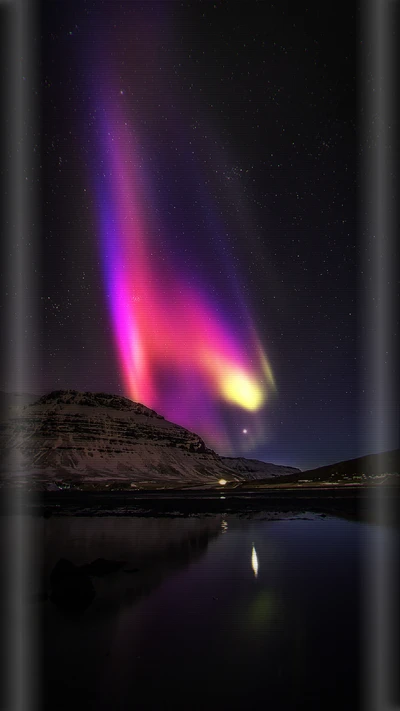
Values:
[(264, 610), (254, 561), (151, 549), (189, 629)]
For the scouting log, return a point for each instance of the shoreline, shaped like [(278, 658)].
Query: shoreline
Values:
[(355, 502)]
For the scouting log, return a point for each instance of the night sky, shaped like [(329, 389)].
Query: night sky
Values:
[(224, 135)]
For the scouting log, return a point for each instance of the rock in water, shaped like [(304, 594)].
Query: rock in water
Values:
[(71, 587), (100, 567)]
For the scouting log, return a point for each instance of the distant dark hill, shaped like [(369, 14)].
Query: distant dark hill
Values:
[(370, 466)]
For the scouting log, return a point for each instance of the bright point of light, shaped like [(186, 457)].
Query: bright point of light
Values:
[(222, 482), (244, 431), (254, 561)]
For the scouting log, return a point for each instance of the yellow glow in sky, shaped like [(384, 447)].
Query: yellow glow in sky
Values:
[(242, 390)]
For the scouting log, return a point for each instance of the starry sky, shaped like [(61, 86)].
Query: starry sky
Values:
[(225, 134)]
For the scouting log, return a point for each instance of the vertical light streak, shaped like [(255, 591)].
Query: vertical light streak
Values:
[(380, 345), (20, 688)]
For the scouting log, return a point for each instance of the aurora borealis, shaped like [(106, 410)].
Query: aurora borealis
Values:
[(178, 352), (198, 183)]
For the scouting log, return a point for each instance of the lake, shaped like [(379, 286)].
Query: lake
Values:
[(220, 612), (227, 612)]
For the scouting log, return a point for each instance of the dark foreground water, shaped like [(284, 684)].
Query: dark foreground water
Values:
[(218, 612)]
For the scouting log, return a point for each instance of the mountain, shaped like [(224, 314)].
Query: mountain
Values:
[(369, 467), (74, 439), (254, 470)]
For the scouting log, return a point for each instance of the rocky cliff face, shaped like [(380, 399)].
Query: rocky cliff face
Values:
[(69, 438), (72, 437)]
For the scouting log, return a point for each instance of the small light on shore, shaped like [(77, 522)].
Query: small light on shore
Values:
[(222, 482)]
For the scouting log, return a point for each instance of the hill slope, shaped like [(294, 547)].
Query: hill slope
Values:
[(367, 467), (254, 470), (69, 438), (361, 469)]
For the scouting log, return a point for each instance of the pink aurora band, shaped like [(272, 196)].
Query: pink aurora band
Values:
[(178, 354)]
